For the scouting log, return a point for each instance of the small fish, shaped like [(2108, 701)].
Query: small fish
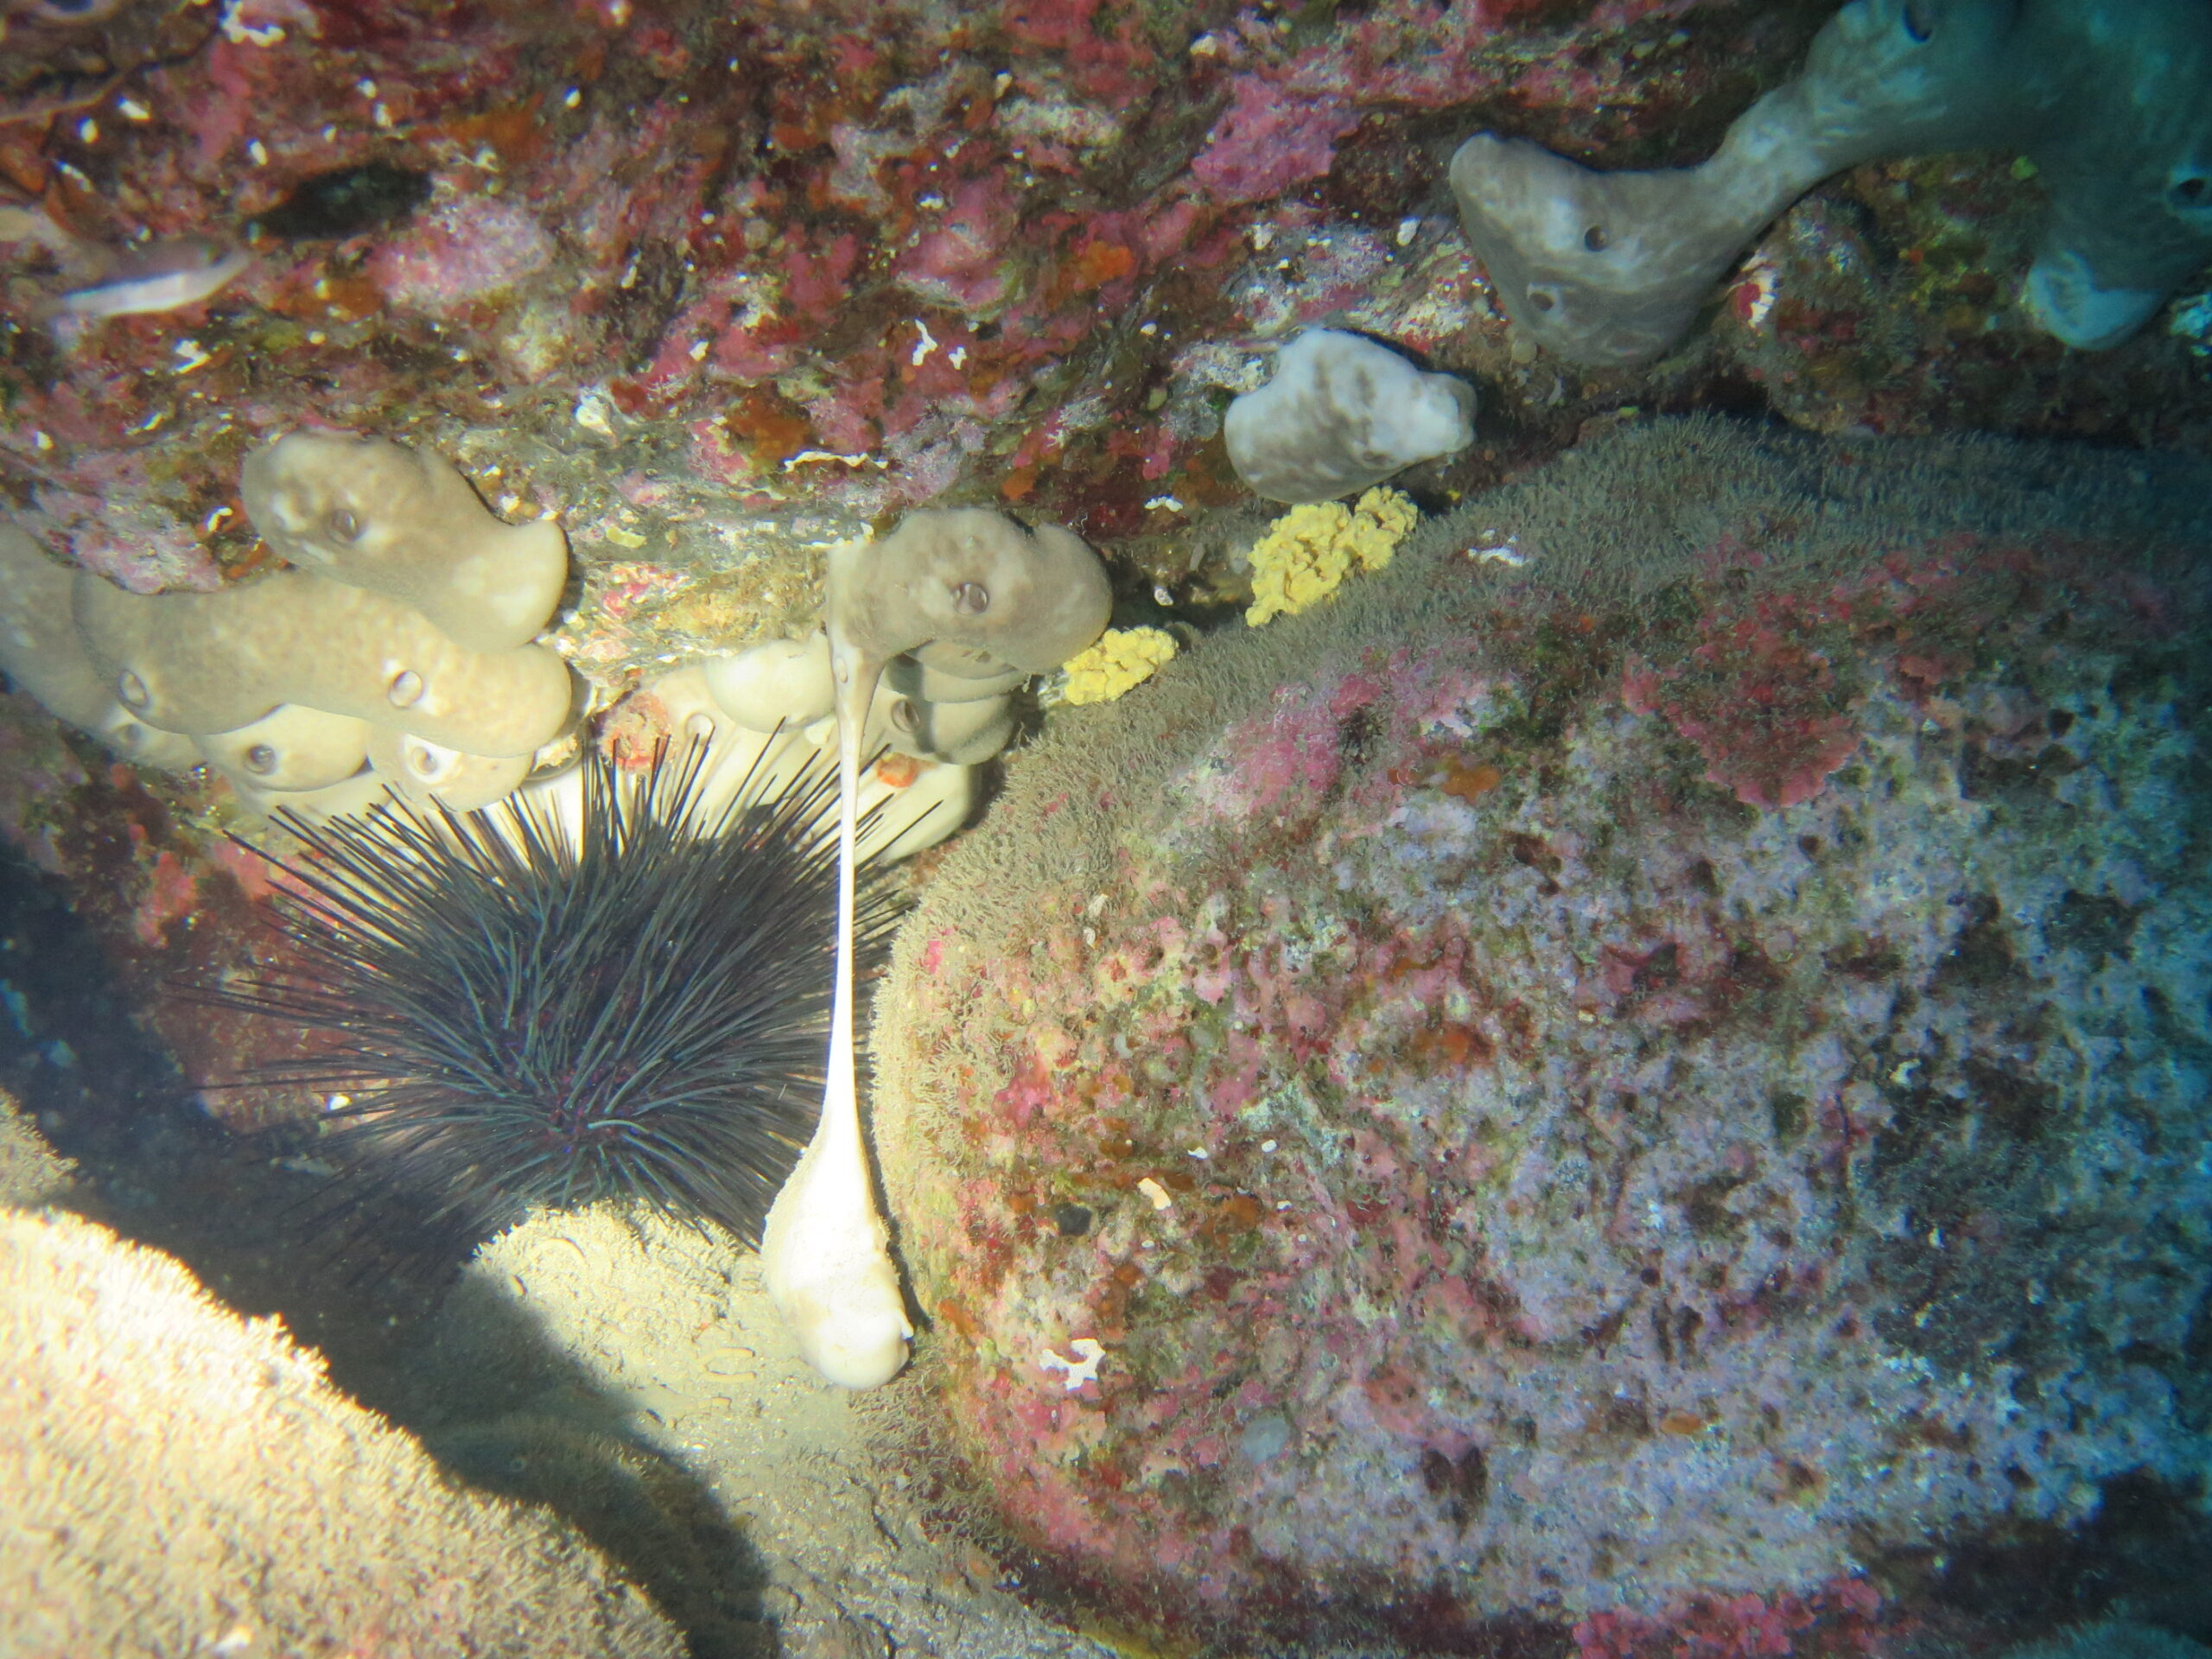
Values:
[(161, 277)]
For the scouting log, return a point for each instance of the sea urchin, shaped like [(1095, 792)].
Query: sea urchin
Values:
[(516, 1013)]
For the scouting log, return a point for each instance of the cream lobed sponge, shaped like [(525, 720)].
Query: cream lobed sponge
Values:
[(775, 683), (404, 646), (783, 684), (430, 773), (972, 595), (2112, 101), (202, 663), (49, 661), (406, 523), (290, 747), (1340, 412), (906, 805)]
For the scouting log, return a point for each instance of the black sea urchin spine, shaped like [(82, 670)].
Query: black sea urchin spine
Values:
[(519, 1015)]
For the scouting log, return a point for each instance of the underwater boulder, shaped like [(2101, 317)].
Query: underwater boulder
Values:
[(1627, 1061)]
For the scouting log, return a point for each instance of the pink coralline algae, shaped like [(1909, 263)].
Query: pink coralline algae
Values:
[(1645, 1162), (955, 262), (1761, 708), (730, 237), (1268, 140), (1843, 1617), (462, 250)]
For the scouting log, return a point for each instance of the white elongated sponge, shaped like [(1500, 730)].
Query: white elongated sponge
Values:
[(1340, 413), (987, 594)]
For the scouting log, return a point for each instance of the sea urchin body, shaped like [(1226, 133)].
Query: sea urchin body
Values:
[(519, 1013)]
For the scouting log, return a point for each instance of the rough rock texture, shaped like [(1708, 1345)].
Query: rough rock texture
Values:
[(177, 1480), (1636, 1088), (716, 286), (2116, 1640)]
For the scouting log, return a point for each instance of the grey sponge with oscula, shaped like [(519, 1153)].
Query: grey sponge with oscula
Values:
[(1340, 412), (2112, 102)]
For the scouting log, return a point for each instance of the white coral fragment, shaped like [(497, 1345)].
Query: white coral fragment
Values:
[(1081, 1368)]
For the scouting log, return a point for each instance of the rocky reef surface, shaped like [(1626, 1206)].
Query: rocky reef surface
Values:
[(720, 284)]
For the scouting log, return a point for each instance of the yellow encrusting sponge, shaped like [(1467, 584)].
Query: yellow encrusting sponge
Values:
[(1307, 553), (1122, 658)]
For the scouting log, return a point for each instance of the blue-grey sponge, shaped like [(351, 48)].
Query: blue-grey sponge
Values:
[(2112, 99)]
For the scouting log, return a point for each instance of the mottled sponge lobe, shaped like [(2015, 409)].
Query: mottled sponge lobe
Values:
[(1574, 1079), (203, 663), (397, 652), (1339, 413)]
